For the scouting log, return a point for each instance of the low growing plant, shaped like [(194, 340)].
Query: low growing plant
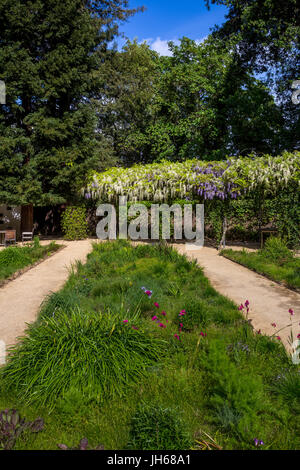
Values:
[(154, 427), (12, 426)]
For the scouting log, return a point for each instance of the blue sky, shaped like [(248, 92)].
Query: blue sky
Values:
[(166, 20)]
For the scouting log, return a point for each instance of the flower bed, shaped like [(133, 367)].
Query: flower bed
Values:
[(140, 328)]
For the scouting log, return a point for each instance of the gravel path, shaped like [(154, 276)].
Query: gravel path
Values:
[(21, 298), (269, 302)]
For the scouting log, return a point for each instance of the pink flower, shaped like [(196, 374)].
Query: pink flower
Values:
[(163, 313), (247, 303), (149, 293), (273, 324), (156, 304), (278, 337), (182, 313), (125, 321), (154, 318), (241, 307), (203, 334), (162, 325), (177, 337), (291, 311)]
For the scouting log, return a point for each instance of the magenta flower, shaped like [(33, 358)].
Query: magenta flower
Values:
[(177, 337), (203, 334), (163, 313), (156, 304), (149, 293), (247, 303), (241, 307), (154, 318), (291, 311), (162, 325), (125, 321), (274, 325), (182, 313), (278, 337)]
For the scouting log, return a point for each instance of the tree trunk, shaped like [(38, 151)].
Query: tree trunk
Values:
[(223, 239)]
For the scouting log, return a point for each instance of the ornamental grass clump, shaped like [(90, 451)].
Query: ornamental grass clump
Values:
[(97, 354)]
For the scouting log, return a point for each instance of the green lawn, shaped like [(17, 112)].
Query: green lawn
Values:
[(98, 365), (286, 271), (15, 258)]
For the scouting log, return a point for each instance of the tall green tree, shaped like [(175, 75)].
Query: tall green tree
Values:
[(50, 56), (124, 101), (267, 38), (195, 103)]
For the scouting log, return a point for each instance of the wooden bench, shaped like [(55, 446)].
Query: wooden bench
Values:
[(10, 236)]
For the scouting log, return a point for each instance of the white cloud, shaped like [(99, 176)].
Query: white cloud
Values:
[(161, 45)]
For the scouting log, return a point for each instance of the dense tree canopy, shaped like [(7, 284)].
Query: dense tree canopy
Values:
[(49, 57), (267, 36), (194, 103)]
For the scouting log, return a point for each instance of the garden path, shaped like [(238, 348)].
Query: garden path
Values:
[(21, 298), (269, 302)]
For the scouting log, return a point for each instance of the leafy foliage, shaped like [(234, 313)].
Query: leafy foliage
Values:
[(266, 34), (12, 426), (74, 223), (48, 125)]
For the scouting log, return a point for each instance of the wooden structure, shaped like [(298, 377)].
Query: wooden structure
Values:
[(27, 218), (266, 230), (8, 236)]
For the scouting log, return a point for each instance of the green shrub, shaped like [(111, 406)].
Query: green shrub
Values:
[(276, 250), (74, 223), (236, 397), (156, 428), (95, 353)]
